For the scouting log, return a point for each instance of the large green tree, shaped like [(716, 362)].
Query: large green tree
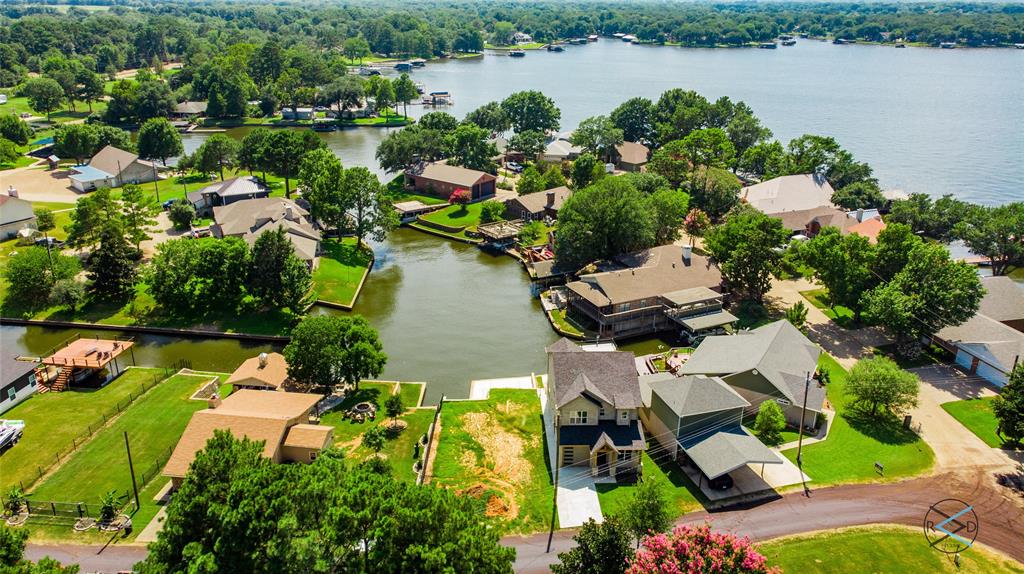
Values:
[(531, 111), (746, 247), (138, 212), (469, 147), (646, 512), (1008, 407), (216, 153), (996, 233), (713, 190), (158, 139), (405, 92), (843, 264), (323, 182), (598, 135), (32, 273), (194, 276), (366, 202), (604, 220), (327, 350), (708, 147), (879, 386), (45, 95), (633, 117), (600, 549), (112, 271), (277, 276), (490, 116), (284, 150), (15, 129)]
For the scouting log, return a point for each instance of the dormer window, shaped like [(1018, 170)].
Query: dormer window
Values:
[(578, 418)]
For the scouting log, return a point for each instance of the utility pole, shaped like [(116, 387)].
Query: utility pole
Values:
[(131, 468), (554, 498), (156, 182), (800, 433)]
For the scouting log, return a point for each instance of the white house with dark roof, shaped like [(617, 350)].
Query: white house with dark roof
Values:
[(772, 362), (596, 399), (112, 167)]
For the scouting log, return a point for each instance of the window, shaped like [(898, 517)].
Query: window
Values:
[(624, 416), (626, 455), (578, 418), (11, 393), (568, 455), (601, 413)]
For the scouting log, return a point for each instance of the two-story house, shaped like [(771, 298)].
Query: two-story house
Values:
[(595, 396)]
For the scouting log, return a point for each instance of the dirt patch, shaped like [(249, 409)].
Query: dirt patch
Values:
[(503, 451)]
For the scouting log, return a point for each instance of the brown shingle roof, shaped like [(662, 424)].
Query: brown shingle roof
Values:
[(272, 375), (449, 174), (280, 405), (824, 215), (113, 160), (537, 202), (633, 153), (649, 273), (308, 436)]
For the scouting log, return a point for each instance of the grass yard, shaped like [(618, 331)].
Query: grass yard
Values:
[(494, 451), (842, 316), (22, 161), (397, 192), (467, 216), (153, 422), (563, 323), (52, 420), (341, 270), (683, 494), (878, 549), (400, 449), (977, 416), (855, 442)]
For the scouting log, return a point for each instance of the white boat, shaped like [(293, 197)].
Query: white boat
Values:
[(10, 432)]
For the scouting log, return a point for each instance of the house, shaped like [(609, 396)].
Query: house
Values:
[(661, 289), (869, 228), (773, 362), (991, 343), (225, 193), (698, 419), (560, 148), (538, 206), (522, 38), (595, 396), (248, 218), (441, 180), (112, 167), (809, 222), (15, 214), (189, 110), (297, 113), (281, 420), (631, 156), (789, 193), (17, 378), (264, 372)]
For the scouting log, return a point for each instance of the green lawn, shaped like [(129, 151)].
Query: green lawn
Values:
[(397, 192), (341, 269), (977, 416), (400, 449), (878, 549), (842, 316), (467, 216), (52, 420), (22, 161), (563, 323), (494, 451), (178, 186), (683, 494), (153, 422), (856, 441), (19, 105)]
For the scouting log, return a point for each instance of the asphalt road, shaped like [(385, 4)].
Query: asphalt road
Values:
[(1001, 520)]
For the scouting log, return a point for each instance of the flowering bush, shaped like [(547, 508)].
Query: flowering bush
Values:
[(696, 223), (698, 550), (460, 196)]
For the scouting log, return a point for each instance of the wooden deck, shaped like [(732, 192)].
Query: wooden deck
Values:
[(87, 353)]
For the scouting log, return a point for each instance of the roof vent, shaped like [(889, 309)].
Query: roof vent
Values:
[(263, 360), (687, 253)]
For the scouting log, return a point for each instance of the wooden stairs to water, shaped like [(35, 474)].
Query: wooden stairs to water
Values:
[(59, 383)]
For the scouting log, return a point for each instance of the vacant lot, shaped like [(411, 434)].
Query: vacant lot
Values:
[(879, 549), (494, 451), (857, 441)]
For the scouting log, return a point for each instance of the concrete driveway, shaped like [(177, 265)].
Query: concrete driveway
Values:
[(577, 497), (40, 184)]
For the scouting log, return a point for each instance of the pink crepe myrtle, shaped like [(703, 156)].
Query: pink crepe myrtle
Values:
[(696, 223), (698, 550), (460, 196)]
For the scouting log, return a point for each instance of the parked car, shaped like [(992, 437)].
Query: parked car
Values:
[(723, 482), (51, 241), (167, 204), (514, 167)]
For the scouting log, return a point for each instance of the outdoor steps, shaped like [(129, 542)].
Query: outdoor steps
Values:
[(59, 384)]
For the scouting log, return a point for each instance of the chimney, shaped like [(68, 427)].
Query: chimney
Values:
[(11, 191), (214, 401), (860, 214), (687, 252), (263, 360), (551, 199), (288, 213)]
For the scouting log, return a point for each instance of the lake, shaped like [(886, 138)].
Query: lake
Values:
[(928, 120)]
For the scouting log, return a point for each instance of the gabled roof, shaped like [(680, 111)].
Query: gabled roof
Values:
[(537, 202), (696, 394), (307, 436), (190, 108), (562, 148), (723, 451), (114, 160), (607, 376), (778, 351), (987, 339), (789, 193), (273, 374), (249, 218), (632, 152), (452, 174), (245, 186), (611, 433), (1004, 299), (823, 215)]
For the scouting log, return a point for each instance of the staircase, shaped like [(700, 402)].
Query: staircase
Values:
[(58, 384)]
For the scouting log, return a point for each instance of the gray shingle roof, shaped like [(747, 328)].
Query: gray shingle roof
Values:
[(726, 450), (778, 351), (609, 376), (987, 338), (235, 186), (696, 394), (1004, 299), (537, 202), (452, 174)]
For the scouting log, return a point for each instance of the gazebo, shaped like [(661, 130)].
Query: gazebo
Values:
[(79, 359)]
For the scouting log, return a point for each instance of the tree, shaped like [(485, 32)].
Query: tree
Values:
[(327, 349), (45, 95), (218, 151), (708, 147), (671, 162), (585, 170), (32, 273), (112, 266), (490, 116), (356, 49), (285, 149), (8, 151), (696, 224), (679, 112), (15, 129), (138, 213), (181, 213), (764, 160), (553, 177), (878, 382), (470, 148), (252, 152), (602, 221), (91, 215), (491, 211), (859, 195), (892, 251), (276, 275), (441, 122), (394, 408), (45, 220), (530, 143), (797, 315), (383, 96), (647, 510), (12, 552), (153, 99), (770, 423), (530, 233), (158, 139), (687, 549), (345, 92), (929, 293), (366, 202), (79, 141), (996, 233), (405, 92), (599, 136), (90, 87), (600, 549), (1008, 407), (843, 264), (745, 130), (668, 208), (633, 117), (375, 439), (531, 111), (714, 191), (323, 182), (193, 276), (530, 181), (746, 247)]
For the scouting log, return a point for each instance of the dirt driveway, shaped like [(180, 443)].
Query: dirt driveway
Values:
[(40, 184)]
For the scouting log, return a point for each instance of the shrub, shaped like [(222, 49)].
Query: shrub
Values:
[(491, 211), (769, 423), (699, 550), (182, 214), (879, 383)]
